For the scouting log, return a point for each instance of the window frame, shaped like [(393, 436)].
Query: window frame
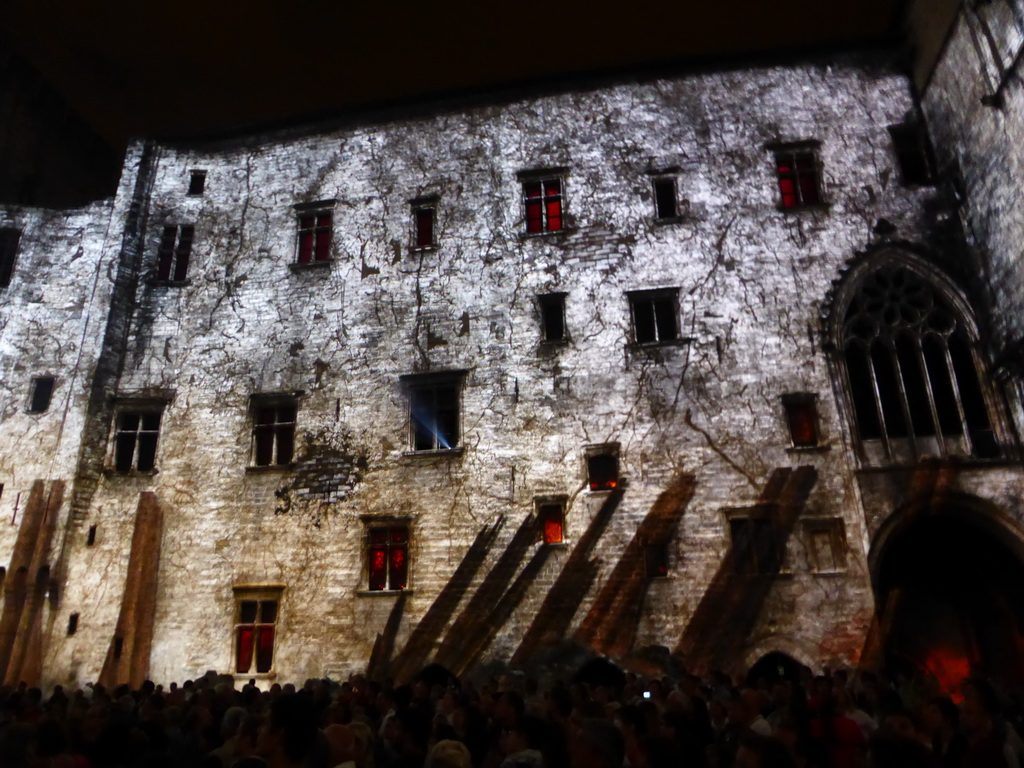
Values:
[(10, 247), (662, 177), (904, 134), (196, 189), (835, 528), (544, 177), (172, 251), (555, 300), (276, 401), (258, 593), (417, 207), (140, 407), (602, 450), (791, 403), (653, 295), (767, 558), (804, 162), (555, 506), (388, 525), (418, 383), (314, 211), (33, 389)]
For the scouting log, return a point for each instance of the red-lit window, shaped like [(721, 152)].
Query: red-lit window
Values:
[(798, 175), (551, 518), (314, 236), (175, 251), (388, 557), (802, 417), (423, 221), (603, 471), (273, 431), (255, 630), (543, 199)]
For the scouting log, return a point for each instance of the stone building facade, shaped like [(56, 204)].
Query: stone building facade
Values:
[(663, 362)]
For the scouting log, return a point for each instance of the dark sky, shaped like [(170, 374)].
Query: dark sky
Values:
[(178, 67)]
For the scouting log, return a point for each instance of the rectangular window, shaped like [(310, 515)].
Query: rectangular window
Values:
[(424, 218), (175, 251), (314, 239), (910, 142), (42, 392), (552, 316), (388, 557), (603, 470), (256, 612), (434, 407), (551, 521), (656, 560), (72, 624), (654, 316), (273, 431), (197, 183), (543, 201), (754, 545), (665, 197), (799, 175), (802, 418), (826, 545), (135, 440), (9, 238)]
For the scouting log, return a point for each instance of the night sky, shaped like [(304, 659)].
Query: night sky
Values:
[(192, 67)]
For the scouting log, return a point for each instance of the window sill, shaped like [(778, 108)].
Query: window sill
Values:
[(269, 468), (556, 545), (554, 343), (155, 283), (304, 266), (245, 677), (384, 592), (820, 207), (111, 472), (439, 453), (669, 220), (833, 572), (819, 448), (423, 248), (646, 345), (553, 234)]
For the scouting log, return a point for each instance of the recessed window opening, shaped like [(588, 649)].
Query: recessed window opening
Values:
[(913, 153), (434, 413), (255, 632), (910, 368), (802, 418), (90, 538), (273, 432), (665, 197), (551, 519), (754, 545), (314, 238), (543, 201), (42, 392), (656, 560), (197, 182), (388, 557), (798, 177), (424, 219), (603, 471), (552, 316), (72, 624), (9, 239), (654, 316), (175, 252), (135, 440)]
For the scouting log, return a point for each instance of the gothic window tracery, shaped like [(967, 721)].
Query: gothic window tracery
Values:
[(912, 375)]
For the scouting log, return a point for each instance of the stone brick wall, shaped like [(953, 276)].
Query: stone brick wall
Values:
[(753, 284)]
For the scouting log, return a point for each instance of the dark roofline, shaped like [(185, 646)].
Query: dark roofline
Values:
[(886, 55)]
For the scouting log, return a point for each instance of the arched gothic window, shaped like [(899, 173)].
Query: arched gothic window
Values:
[(912, 375)]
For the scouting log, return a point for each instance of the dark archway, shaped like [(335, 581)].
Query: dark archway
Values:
[(773, 667), (950, 597)]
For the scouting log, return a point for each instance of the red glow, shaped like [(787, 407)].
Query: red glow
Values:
[(949, 668)]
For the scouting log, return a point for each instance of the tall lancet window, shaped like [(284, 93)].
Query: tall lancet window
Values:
[(911, 370)]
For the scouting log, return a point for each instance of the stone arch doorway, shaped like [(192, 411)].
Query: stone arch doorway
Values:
[(949, 586), (773, 667)]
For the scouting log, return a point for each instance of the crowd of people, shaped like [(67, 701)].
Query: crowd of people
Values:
[(597, 718)]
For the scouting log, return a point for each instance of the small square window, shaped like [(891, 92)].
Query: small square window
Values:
[(434, 407), (799, 175), (543, 201), (197, 183), (175, 251), (665, 198), (826, 544), (603, 471), (655, 316), (388, 557), (256, 613), (273, 430), (314, 237), (913, 153), (551, 521), (424, 219), (9, 239), (552, 317), (41, 394), (135, 439), (754, 546), (802, 418)]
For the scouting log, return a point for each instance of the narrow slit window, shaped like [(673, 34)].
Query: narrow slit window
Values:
[(90, 538), (273, 432), (543, 201), (175, 253), (314, 238), (42, 393), (388, 558), (552, 317), (197, 183), (9, 239), (72, 624), (665, 198), (424, 219), (603, 471), (135, 440)]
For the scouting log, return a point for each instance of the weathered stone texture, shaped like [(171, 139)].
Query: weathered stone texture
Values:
[(753, 285)]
